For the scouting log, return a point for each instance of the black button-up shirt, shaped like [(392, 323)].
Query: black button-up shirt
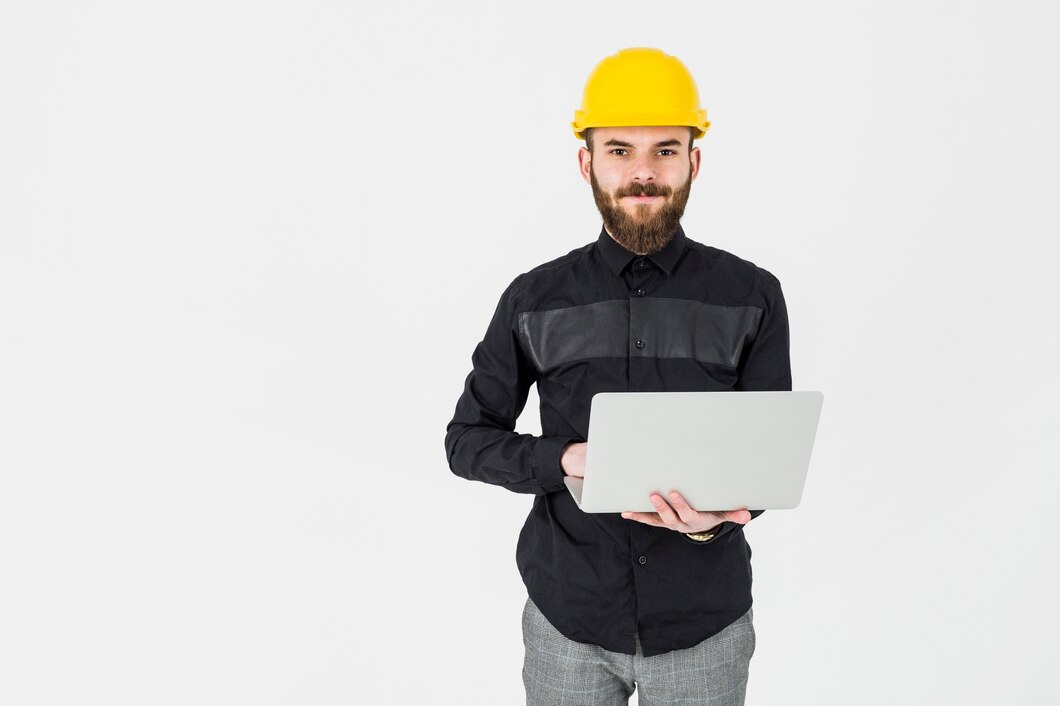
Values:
[(602, 319)]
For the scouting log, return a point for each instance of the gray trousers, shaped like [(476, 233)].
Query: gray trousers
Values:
[(558, 671)]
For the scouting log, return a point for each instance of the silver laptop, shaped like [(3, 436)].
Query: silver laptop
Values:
[(720, 450)]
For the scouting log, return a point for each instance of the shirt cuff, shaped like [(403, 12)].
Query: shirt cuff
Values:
[(545, 461), (724, 528)]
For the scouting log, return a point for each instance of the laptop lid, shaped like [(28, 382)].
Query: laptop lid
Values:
[(720, 450)]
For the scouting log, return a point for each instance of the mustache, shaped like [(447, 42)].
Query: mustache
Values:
[(643, 189)]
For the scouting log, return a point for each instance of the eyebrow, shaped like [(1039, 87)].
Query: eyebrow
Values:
[(664, 143)]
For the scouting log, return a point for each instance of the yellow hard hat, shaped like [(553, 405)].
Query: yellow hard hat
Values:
[(640, 86)]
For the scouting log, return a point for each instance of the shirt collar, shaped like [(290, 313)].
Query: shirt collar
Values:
[(617, 257)]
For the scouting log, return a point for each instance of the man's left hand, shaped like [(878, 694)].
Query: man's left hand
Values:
[(680, 517)]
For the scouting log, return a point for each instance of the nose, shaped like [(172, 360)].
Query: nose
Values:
[(642, 169)]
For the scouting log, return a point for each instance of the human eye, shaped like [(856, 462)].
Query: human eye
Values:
[(616, 150), (667, 155)]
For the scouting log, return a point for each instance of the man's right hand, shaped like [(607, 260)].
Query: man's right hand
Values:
[(573, 459)]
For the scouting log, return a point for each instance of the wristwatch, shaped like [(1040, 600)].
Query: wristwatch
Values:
[(704, 536)]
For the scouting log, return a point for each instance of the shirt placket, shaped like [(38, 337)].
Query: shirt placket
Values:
[(641, 281), (640, 345)]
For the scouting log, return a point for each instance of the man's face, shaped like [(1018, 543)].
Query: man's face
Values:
[(641, 178)]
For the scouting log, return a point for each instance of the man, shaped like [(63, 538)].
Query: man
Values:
[(658, 601)]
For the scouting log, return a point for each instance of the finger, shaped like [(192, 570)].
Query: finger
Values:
[(648, 518), (688, 515), (700, 519), (666, 513), (739, 516)]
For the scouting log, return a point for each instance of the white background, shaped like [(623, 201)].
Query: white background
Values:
[(247, 249)]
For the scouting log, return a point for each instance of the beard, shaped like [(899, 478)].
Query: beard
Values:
[(643, 233)]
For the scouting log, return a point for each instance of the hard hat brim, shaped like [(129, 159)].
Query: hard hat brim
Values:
[(696, 119)]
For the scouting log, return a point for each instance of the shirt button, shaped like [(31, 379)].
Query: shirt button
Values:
[(643, 560), (640, 292), (640, 343)]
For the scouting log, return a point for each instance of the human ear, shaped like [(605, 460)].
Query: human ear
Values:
[(585, 164)]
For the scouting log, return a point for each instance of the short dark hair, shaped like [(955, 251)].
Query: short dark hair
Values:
[(589, 138)]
